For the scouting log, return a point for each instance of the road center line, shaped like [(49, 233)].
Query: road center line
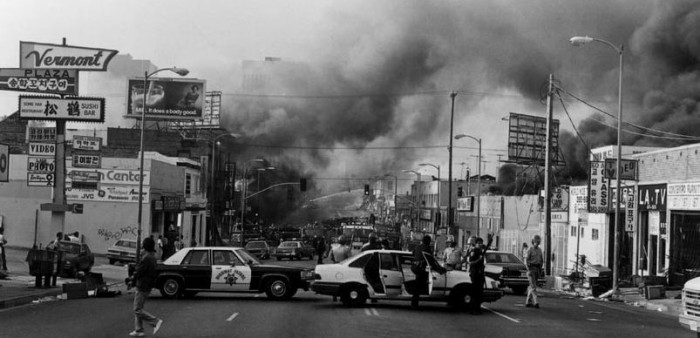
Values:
[(367, 312), (502, 315), (375, 312), (233, 316)]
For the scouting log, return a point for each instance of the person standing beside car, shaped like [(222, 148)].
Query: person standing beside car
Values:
[(144, 279), (453, 256), (476, 273), (534, 262), (342, 251), (418, 268), (3, 241)]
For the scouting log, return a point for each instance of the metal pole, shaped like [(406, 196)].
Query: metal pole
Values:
[(450, 230), (547, 181), (478, 187), (243, 188), (140, 202), (616, 258), (438, 202)]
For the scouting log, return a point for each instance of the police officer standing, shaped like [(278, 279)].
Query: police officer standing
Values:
[(476, 273)]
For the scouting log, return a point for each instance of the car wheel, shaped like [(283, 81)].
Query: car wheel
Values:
[(277, 288), (519, 290), (460, 298), (354, 295), (171, 287)]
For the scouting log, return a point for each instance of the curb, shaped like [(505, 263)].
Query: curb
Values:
[(22, 300)]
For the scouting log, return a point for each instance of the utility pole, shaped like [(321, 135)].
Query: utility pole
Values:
[(547, 183), (450, 217)]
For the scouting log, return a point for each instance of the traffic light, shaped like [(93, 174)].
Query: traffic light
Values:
[(460, 192), (366, 189), (302, 184)]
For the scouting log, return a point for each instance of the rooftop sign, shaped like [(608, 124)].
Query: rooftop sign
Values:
[(34, 55)]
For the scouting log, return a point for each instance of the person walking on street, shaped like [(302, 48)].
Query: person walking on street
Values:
[(534, 262), (476, 273), (320, 249), (144, 280)]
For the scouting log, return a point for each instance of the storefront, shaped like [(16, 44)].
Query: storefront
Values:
[(652, 238), (683, 249)]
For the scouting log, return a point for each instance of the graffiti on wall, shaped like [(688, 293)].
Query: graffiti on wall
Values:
[(109, 235)]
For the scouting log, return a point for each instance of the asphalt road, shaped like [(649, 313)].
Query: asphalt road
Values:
[(311, 315)]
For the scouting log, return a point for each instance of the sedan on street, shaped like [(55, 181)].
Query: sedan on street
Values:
[(294, 249), (227, 269), (508, 270)]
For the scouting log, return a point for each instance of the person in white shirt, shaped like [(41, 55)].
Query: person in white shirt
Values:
[(534, 262)]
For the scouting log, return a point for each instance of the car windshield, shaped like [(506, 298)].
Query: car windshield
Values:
[(247, 257), (255, 245), (127, 244), (289, 245), (499, 257)]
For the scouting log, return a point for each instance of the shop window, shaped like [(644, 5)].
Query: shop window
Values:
[(573, 231), (594, 234), (583, 232)]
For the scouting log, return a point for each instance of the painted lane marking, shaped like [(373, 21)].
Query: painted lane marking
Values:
[(233, 316), (594, 320), (367, 312), (502, 315), (374, 312)]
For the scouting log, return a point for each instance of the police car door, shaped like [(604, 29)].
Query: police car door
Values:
[(436, 281), (391, 275), (229, 273)]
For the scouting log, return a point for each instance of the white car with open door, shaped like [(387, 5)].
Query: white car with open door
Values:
[(387, 275)]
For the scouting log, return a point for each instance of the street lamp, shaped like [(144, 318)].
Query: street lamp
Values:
[(243, 193), (438, 192), (146, 75), (578, 41), (478, 182)]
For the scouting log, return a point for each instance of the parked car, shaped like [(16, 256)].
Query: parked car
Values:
[(260, 249), (227, 269), (75, 257), (395, 280), (123, 250), (294, 249), (508, 270)]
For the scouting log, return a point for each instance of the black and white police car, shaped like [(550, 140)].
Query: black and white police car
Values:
[(227, 269), (387, 275)]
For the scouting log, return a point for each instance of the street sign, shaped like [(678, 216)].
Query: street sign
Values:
[(87, 143), (86, 161), (39, 165), (64, 82), (80, 109), (36, 55), (42, 149), (40, 180), (4, 163), (628, 169)]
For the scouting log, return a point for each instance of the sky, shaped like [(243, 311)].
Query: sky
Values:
[(377, 100)]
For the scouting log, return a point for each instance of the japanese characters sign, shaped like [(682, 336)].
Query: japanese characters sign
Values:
[(598, 188), (79, 109), (34, 55), (87, 143), (39, 80)]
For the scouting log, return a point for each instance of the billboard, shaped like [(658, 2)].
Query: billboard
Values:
[(35, 55), (78, 109), (527, 140), (49, 81), (166, 99)]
